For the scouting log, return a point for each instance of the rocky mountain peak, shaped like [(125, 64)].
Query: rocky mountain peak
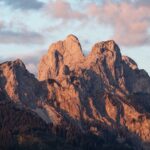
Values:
[(104, 48), (104, 91), (130, 62), (19, 62), (67, 52), (17, 82), (72, 37), (13, 64)]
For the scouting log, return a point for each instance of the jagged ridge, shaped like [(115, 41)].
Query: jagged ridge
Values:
[(101, 89)]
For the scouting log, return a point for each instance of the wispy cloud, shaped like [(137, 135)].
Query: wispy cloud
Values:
[(139, 2), (24, 4), (2, 25), (23, 37), (60, 9), (130, 22)]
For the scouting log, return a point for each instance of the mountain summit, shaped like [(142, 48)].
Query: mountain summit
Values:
[(103, 95)]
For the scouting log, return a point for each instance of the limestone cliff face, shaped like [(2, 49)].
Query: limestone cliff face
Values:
[(136, 80), (67, 52), (17, 83), (96, 87), (103, 89)]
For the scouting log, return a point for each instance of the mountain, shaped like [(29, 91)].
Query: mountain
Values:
[(99, 101)]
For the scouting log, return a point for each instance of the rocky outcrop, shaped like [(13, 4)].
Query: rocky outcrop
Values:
[(67, 52), (101, 92), (18, 84), (95, 88), (136, 80)]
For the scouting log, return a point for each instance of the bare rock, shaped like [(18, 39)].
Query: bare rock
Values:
[(136, 80), (130, 62), (67, 52), (18, 83), (95, 88), (102, 90)]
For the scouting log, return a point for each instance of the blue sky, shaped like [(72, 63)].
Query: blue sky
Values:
[(28, 27)]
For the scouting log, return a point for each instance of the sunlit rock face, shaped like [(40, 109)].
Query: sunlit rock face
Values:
[(67, 52), (103, 90), (96, 87), (18, 84)]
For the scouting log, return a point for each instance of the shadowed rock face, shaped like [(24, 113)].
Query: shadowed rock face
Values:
[(103, 89), (19, 85)]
